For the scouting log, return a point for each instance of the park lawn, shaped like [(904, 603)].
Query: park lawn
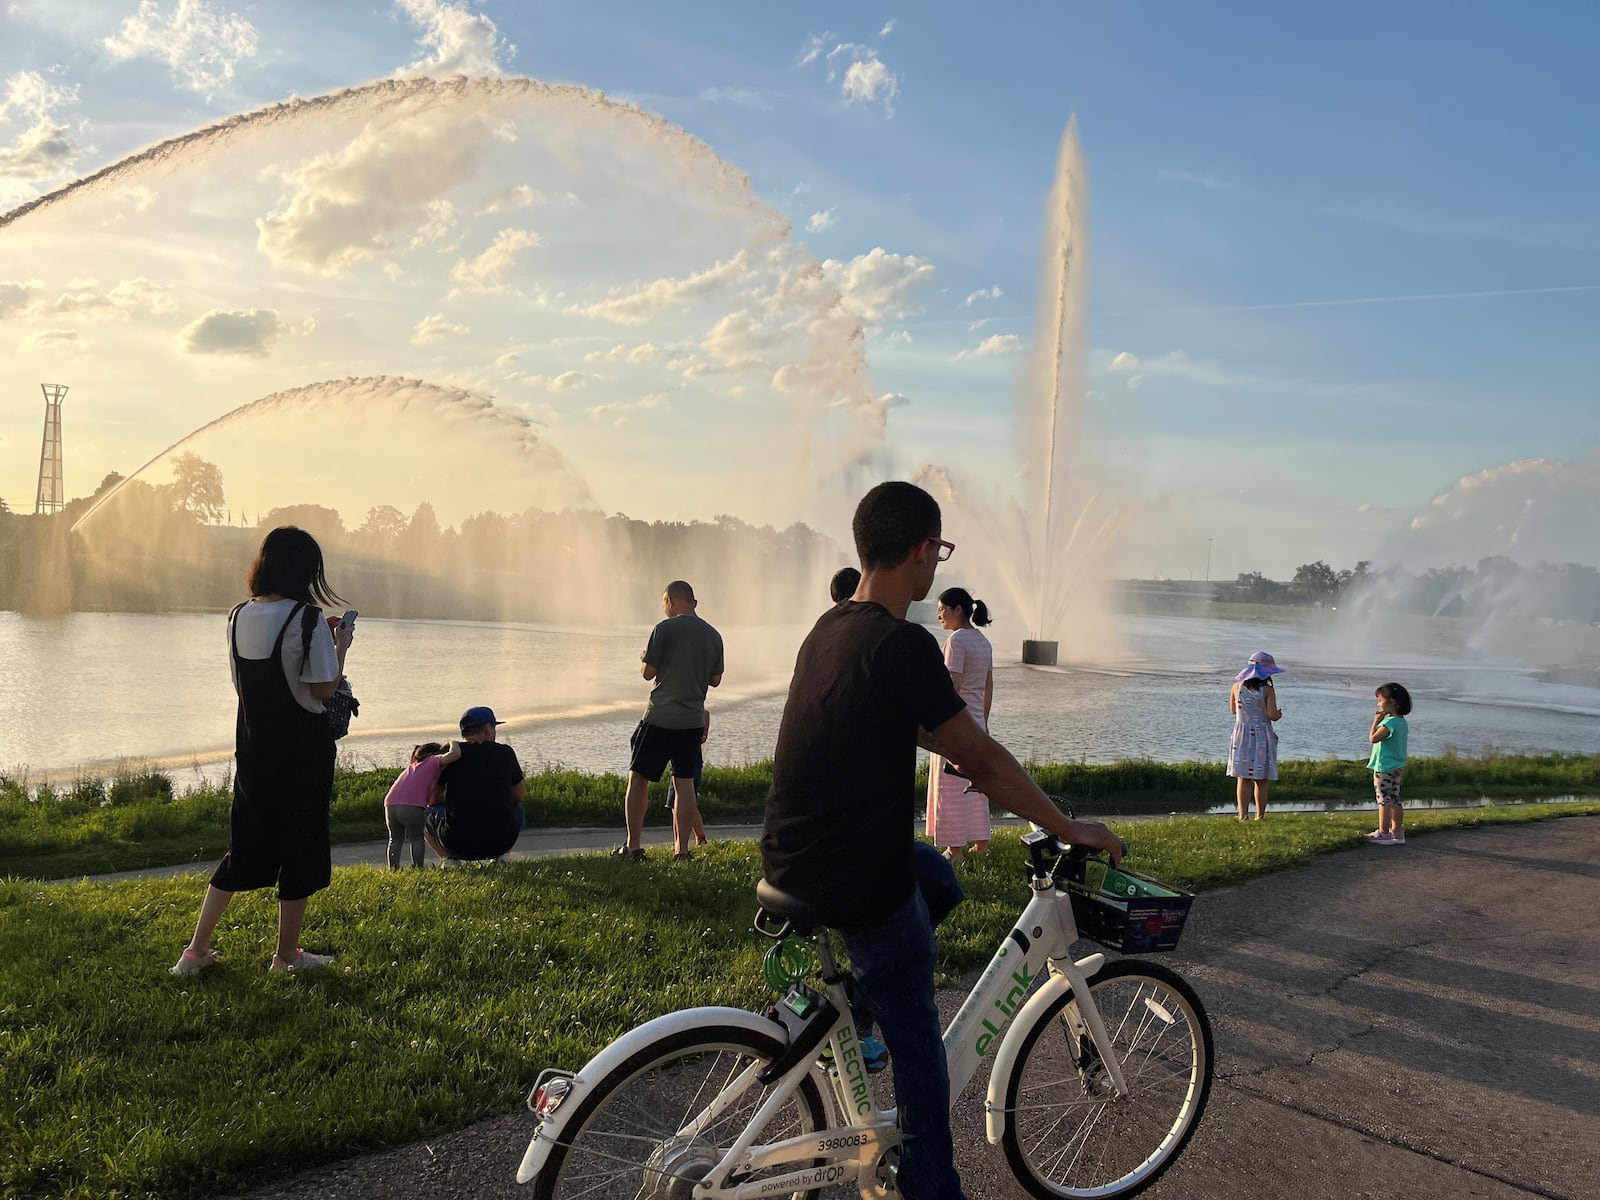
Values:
[(139, 820), (452, 990)]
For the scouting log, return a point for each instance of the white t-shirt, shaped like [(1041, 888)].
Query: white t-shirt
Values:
[(256, 628)]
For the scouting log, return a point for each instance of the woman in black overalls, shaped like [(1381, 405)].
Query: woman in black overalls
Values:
[(283, 774)]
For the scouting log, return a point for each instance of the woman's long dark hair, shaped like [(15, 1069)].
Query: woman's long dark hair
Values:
[(289, 563), (972, 610)]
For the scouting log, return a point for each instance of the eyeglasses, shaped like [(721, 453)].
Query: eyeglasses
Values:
[(945, 549)]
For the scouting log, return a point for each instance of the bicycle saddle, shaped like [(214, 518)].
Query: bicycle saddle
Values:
[(799, 914)]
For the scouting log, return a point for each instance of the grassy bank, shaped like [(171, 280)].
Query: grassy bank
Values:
[(452, 990), (139, 820)]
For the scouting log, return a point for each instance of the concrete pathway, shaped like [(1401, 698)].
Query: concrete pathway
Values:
[(1422, 1021), (534, 843)]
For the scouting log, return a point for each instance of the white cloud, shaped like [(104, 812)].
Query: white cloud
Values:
[(131, 296), (458, 40), (489, 271), (347, 206), (200, 46), (84, 299), (435, 328), (893, 400), (511, 198), (509, 359), (1126, 362), (251, 332), (441, 220), (743, 97), (564, 382), (1199, 179), (878, 285), (638, 304), (991, 293), (636, 356), (1000, 343), (868, 77), (821, 222), (43, 146), (739, 342), (18, 296), (812, 50), (866, 80), (888, 28), (47, 339), (618, 412), (902, 337)]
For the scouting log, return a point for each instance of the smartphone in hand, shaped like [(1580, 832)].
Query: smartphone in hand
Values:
[(349, 619)]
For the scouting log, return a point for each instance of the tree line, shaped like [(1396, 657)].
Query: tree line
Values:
[(1496, 586), (164, 547)]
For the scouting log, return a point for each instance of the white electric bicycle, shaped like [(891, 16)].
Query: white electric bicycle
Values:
[(1096, 1084)]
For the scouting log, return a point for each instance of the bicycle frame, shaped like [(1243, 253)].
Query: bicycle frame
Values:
[(1037, 948)]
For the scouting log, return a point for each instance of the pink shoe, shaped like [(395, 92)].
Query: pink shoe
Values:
[(1379, 838), (304, 960)]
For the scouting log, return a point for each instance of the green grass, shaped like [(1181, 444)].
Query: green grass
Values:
[(452, 990), (139, 820)]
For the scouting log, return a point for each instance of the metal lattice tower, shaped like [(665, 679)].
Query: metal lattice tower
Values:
[(52, 489)]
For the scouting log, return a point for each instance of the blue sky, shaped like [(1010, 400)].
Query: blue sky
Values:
[(1268, 182)]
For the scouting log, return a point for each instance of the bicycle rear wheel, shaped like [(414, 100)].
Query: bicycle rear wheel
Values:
[(626, 1140), (1069, 1134)]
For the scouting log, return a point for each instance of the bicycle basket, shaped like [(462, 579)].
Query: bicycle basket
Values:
[(1129, 912)]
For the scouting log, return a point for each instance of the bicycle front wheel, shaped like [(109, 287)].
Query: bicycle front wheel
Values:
[(1069, 1133), (657, 1124)]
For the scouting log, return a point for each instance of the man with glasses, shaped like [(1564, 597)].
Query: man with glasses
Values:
[(868, 687)]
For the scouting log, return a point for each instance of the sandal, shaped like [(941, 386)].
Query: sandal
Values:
[(623, 852), (684, 856)]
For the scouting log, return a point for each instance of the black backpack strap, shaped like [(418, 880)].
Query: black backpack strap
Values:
[(308, 625), (233, 635)]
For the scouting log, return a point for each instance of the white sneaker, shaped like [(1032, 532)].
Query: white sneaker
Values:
[(1378, 838), (1397, 839), (304, 960), (190, 963)]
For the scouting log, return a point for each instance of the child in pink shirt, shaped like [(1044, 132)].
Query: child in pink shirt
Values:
[(409, 797)]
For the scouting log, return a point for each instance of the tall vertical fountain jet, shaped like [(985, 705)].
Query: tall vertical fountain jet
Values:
[(52, 489), (1063, 527), (1046, 537)]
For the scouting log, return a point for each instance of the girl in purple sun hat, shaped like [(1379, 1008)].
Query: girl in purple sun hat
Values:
[(1253, 751)]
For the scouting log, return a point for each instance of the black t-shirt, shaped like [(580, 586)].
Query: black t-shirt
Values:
[(839, 818), (478, 799)]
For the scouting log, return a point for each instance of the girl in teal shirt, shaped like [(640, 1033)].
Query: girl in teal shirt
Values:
[(1387, 763)]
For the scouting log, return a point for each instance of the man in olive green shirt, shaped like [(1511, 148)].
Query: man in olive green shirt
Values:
[(683, 658)]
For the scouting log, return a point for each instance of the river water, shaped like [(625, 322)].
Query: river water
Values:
[(85, 692)]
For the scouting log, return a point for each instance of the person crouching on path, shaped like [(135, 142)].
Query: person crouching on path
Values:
[(482, 812), (683, 657), (410, 796)]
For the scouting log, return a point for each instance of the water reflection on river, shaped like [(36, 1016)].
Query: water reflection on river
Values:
[(95, 687)]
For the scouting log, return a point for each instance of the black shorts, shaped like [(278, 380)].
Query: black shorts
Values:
[(654, 747)]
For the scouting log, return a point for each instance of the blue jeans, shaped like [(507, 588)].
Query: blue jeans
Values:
[(941, 892), (892, 963)]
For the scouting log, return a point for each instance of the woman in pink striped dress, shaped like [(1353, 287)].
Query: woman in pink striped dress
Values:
[(957, 817)]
